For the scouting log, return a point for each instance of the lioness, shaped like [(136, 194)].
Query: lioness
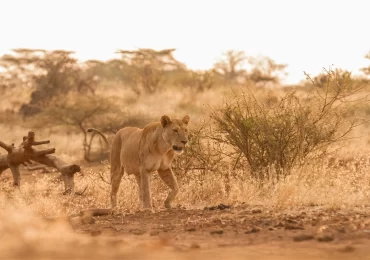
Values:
[(144, 151)]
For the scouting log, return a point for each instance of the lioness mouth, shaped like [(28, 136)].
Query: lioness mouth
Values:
[(176, 148)]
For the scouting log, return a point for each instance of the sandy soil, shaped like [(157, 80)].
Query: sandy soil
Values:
[(239, 232), (221, 231)]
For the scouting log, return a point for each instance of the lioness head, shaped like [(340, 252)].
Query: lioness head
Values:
[(175, 132)]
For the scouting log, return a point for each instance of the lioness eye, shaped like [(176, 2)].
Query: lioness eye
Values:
[(176, 131)]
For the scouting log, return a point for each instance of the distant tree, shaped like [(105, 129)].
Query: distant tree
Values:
[(49, 73), (231, 65), (343, 77), (198, 80), (147, 67), (111, 70), (367, 70), (80, 112), (264, 70)]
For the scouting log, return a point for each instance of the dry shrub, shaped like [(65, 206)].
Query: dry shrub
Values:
[(201, 156), (277, 134)]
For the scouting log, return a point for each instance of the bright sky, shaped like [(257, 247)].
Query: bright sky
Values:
[(305, 34)]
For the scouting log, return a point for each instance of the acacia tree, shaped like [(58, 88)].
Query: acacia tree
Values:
[(49, 73), (147, 67), (265, 70), (262, 69), (111, 70), (231, 65)]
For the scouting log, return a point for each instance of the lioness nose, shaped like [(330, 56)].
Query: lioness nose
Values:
[(184, 142)]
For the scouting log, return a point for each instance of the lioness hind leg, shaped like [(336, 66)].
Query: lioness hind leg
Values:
[(116, 177), (169, 179)]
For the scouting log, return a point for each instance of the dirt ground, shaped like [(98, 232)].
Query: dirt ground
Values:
[(240, 232), (222, 231)]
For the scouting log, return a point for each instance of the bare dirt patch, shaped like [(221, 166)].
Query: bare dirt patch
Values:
[(245, 230), (223, 231)]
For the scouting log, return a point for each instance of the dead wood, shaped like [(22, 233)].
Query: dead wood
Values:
[(26, 153), (83, 217), (38, 167), (93, 212)]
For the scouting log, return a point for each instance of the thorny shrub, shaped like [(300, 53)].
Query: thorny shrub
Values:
[(274, 135), (202, 156)]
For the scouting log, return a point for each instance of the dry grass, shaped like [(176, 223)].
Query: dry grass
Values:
[(344, 183)]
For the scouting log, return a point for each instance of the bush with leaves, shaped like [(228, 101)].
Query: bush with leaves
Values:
[(202, 156), (276, 135)]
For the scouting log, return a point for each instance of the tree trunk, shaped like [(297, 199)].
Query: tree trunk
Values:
[(25, 153)]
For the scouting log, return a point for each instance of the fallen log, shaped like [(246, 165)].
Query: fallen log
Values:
[(26, 153)]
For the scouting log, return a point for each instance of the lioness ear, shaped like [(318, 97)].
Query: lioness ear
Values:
[(165, 121), (186, 119)]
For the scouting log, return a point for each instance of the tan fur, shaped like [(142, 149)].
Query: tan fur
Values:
[(144, 151)]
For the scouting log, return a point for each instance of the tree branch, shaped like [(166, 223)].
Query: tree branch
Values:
[(8, 148)]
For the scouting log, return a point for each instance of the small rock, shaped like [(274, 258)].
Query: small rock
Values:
[(347, 249), (116, 242), (95, 233), (223, 206), (291, 221), (137, 232), (256, 211), (220, 207), (244, 213), (194, 246), (217, 232), (293, 227), (87, 219), (75, 221), (325, 238), (280, 224), (303, 237), (117, 229), (154, 233), (190, 229), (341, 230), (252, 230)]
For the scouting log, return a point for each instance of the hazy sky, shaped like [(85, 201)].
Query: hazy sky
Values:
[(306, 35)]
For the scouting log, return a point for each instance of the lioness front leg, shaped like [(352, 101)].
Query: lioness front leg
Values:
[(146, 197), (170, 180)]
